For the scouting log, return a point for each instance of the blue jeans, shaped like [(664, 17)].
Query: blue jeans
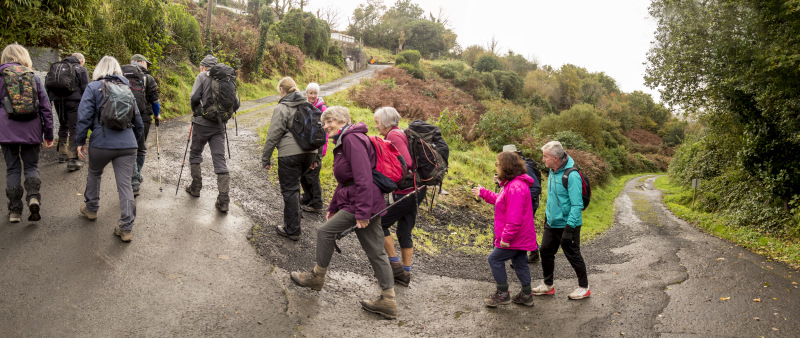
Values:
[(497, 262)]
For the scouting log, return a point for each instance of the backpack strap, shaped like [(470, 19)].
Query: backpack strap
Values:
[(565, 177)]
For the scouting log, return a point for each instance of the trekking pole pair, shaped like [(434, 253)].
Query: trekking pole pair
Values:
[(353, 228)]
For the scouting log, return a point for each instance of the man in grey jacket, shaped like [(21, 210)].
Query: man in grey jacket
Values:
[(207, 131), (293, 161)]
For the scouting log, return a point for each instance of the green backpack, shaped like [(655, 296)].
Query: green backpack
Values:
[(20, 93)]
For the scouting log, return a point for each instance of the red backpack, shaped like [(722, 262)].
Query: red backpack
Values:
[(389, 164)]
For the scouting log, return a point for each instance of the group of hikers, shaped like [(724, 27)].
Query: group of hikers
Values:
[(380, 181)]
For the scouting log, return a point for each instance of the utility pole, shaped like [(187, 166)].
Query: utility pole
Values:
[(210, 4)]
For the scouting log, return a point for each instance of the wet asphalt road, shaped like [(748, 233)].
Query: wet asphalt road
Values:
[(191, 271)]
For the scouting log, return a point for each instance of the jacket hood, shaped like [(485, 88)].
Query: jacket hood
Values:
[(116, 77), (360, 127), (142, 68), (293, 99), (524, 178)]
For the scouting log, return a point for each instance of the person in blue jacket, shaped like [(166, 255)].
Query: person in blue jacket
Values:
[(106, 145), (563, 220)]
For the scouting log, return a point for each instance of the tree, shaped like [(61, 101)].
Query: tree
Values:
[(738, 58), (488, 63), (331, 15), (493, 46)]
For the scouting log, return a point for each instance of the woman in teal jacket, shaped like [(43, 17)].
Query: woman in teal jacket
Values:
[(563, 220)]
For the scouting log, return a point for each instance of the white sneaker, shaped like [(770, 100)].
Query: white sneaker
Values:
[(580, 293), (543, 289)]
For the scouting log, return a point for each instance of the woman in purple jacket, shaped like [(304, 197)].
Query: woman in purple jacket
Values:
[(355, 200), (514, 229), (22, 140)]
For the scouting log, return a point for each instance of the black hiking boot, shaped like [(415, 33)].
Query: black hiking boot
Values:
[(197, 180), (533, 256), (224, 186), (14, 195)]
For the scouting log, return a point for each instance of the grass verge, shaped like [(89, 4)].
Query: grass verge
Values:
[(678, 199), (380, 54)]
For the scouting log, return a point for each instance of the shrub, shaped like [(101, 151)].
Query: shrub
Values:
[(283, 59), (509, 83), (399, 59), (185, 31), (411, 57), (334, 56), (582, 119), (488, 63), (415, 71), (449, 69), (572, 140), (644, 141), (500, 127)]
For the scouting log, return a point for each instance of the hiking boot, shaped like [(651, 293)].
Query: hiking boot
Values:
[(311, 209), (533, 256), (313, 279), (223, 185), (279, 229), (543, 289), (523, 299), (124, 235), (73, 164), (61, 148), (33, 206), (580, 293), (498, 298), (91, 215), (401, 276), (14, 195), (136, 193), (32, 186), (197, 180), (385, 306)]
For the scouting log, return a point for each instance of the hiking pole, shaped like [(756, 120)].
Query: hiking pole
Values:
[(158, 156), (353, 228), (184, 159), (236, 123)]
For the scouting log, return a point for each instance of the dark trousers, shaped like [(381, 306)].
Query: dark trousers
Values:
[(136, 178), (215, 137), (312, 190), (405, 214), (519, 258), (551, 241), (19, 158), (290, 169), (67, 121)]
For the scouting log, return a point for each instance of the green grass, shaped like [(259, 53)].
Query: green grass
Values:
[(678, 199), (380, 54)]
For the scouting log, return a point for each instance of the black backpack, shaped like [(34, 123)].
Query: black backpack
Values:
[(118, 109), (61, 78), (429, 151), (586, 190), (224, 97), (307, 127), (536, 188), (138, 82)]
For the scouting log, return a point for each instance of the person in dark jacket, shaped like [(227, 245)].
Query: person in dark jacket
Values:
[(107, 145), (66, 106), (355, 200), (207, 131), (22, 140), (311, 199), (293, 161), (150, 114)]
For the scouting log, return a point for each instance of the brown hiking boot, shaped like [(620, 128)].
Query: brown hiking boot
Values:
[(92, 215), (124, 235), (401, 276), (385, 306), (313, 279)]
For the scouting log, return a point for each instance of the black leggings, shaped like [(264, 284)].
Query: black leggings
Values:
[(405, 214)]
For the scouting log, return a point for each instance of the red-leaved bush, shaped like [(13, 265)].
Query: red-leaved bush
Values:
[(594, 168), (644, 141), (416, 99)]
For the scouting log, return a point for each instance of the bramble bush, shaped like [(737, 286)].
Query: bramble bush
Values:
[(592, 166)]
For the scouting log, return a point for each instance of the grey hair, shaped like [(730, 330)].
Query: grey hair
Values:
[(554, 148), (313, 86), (108, 65), (16, 53), (336, 113), (387, 117), (79, 56)]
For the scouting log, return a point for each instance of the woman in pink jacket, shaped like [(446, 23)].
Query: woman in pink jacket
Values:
[(514, 232)]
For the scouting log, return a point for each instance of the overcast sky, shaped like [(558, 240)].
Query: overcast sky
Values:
[(601, 36)]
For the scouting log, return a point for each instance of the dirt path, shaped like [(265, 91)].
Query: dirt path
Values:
[(191, 271)]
